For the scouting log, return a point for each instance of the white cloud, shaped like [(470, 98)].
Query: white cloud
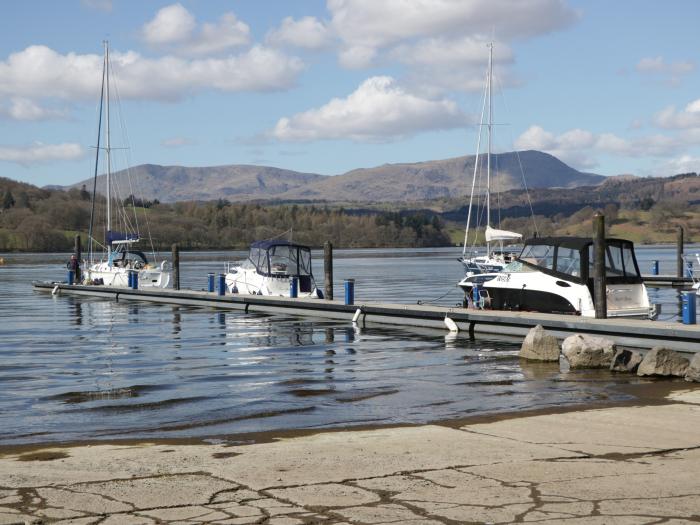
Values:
[(176, 142), (682, 164), (465, 50), (659, 65), (670, 118), (307, 32), (40, 153), (579, 147), (671, 72), (378, 110), (172, 24), (39, 72), (357, 56), (175, 28), (368, 26), (26, 109)]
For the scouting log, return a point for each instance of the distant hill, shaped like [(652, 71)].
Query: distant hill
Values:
[(387, 183)]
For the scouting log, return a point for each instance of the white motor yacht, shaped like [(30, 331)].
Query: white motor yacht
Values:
[(555, 275), (269, 270)]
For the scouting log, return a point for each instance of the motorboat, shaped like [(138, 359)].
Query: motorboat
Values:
[(497, 240), (119, 255), (269, 269), (555, 275)]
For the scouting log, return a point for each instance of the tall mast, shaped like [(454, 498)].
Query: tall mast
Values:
[(109, 160), (488, 154)]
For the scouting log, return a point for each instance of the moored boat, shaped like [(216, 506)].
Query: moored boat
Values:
[(269, 270), (119, 258), (555, 275)]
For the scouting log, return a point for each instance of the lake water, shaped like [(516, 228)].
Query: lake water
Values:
[(89, 369)]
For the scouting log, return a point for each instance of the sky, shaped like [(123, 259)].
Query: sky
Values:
[(326, 87)]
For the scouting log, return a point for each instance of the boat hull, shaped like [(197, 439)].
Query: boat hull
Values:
[(248, 281), (119, 277), (539, 292)]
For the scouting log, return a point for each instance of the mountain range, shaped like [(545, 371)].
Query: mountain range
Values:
[(387, 183)]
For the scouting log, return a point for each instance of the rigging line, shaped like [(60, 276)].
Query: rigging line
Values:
[(476, 159), (97, 159), (522, 170), (124, 215), (139, 188)]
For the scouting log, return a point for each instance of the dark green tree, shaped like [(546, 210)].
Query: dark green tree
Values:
[(8, 200)]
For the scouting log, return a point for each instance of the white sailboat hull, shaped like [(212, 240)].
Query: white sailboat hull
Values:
[(119, 277)]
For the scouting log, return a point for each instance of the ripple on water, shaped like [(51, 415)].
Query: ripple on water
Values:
[(77, 368)]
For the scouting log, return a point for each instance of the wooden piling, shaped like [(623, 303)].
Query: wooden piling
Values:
[(328, 269), (78, 249), (599, 284), (679, 254), (176, 267)]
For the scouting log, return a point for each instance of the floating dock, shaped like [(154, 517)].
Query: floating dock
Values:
[(667, 280), (627, 332)]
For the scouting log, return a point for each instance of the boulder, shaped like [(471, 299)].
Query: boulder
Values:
[(587, 351), (539, 346), (693, 371), (626, 361), (660, 361)]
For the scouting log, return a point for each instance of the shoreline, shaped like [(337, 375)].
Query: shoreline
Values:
[(653, 393), (600, 465)]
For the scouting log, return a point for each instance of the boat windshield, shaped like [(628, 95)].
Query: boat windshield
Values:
[(517, 267), (282, 260), (541, 255)]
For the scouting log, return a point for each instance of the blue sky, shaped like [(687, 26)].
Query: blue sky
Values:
[(325, 87)]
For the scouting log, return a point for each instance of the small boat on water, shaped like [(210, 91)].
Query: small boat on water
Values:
[(269, 270), (555, 275), (119, 257)]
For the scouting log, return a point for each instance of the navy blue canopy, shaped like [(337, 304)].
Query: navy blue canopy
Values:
[(266, 245), (119, 236)]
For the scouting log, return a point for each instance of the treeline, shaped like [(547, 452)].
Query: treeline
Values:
[(33, 219)]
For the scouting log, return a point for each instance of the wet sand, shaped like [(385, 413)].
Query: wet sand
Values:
[(631, 462)]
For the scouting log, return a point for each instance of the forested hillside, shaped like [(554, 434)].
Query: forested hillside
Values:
[(33, 219)]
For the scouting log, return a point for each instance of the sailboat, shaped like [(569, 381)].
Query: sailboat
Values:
[(497, 256), (120, 257)]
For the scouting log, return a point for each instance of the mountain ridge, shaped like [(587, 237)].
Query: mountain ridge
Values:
[(394, 182)]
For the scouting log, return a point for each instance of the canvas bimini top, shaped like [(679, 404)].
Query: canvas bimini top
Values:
[(279, 258), (572, 258)]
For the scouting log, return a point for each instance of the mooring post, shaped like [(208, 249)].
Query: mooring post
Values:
[(679, 253), (79, 256), (599, 285), (328, 268), (176, 267)]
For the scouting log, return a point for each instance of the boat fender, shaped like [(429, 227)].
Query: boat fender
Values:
[(55, 290), (357, 315), (162, 264), (451, 325), (234, 289), (319, 293)]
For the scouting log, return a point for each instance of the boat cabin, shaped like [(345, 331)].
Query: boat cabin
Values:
[(572, 259), (129, 259), (283, 259)]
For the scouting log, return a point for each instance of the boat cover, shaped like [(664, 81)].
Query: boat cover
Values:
[(501, 235)]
